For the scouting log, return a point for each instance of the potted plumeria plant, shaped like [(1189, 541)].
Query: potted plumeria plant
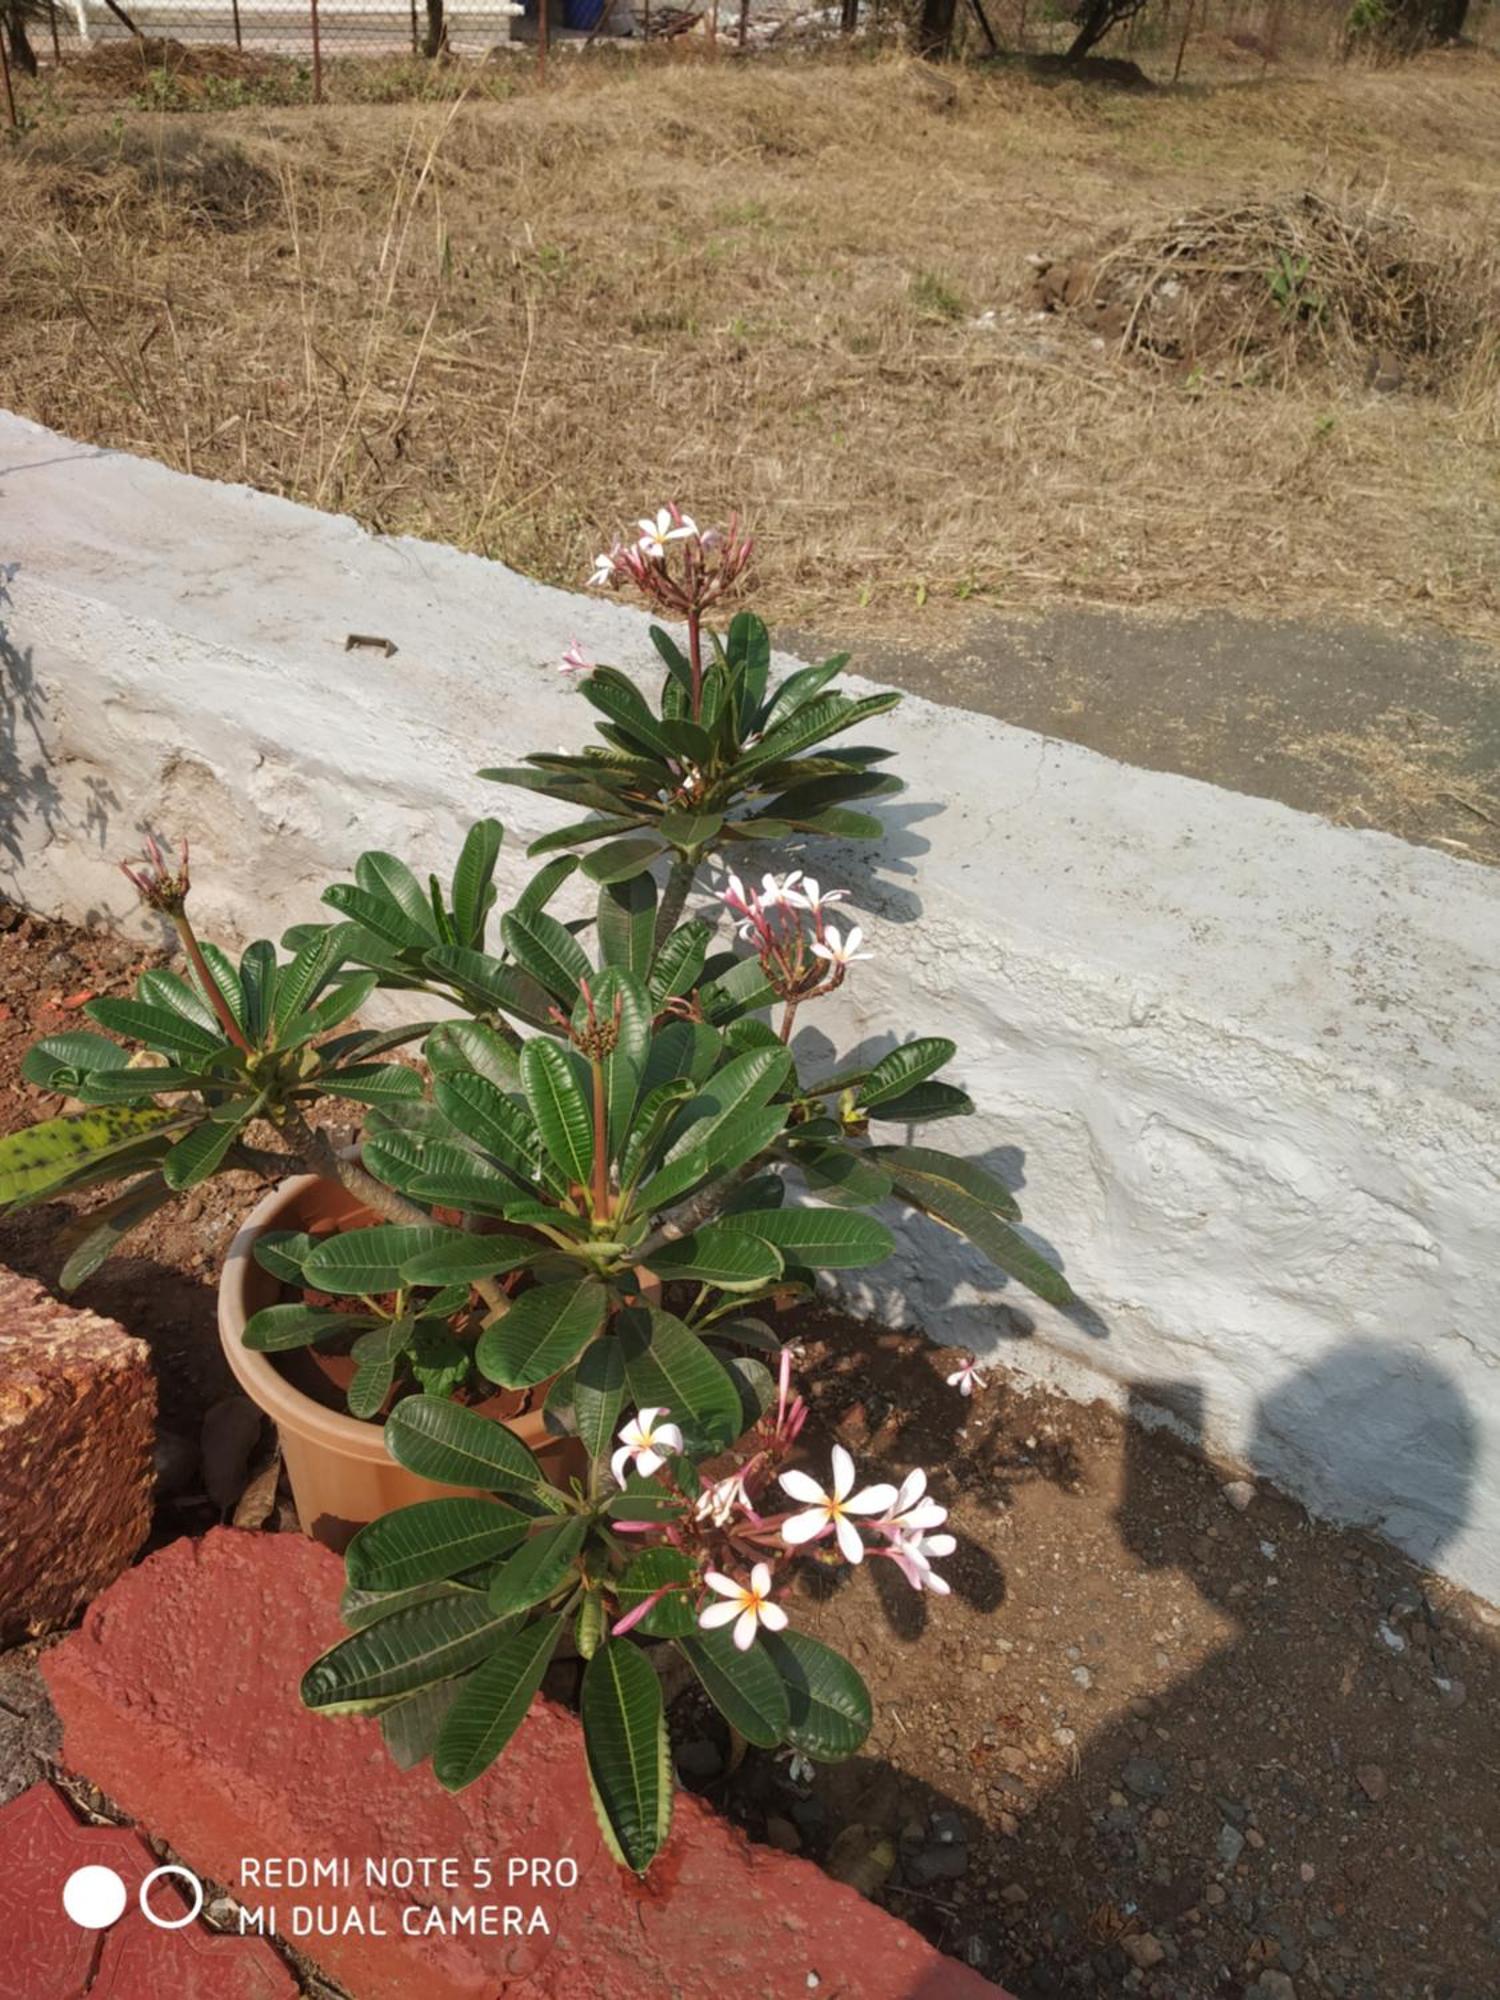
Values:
[(534, 1277)]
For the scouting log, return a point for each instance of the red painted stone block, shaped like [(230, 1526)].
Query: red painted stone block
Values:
[(46, 1956), (204, 1740)]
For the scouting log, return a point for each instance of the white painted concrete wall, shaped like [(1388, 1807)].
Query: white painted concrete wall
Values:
[(1243, 1065)]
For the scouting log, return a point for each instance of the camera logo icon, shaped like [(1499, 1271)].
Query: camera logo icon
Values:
[(95, 1897)]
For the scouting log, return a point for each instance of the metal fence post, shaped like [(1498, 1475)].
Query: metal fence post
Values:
[(416, 46), (234, 8), (52, 21), (317, 56)]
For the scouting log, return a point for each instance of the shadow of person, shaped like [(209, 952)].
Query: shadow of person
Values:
[(1285, 1790)]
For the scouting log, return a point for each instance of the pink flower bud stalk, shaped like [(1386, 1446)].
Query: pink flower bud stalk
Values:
[(165, 889)]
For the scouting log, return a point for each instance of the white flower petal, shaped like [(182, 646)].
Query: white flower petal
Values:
[(760, 1579), (773, 1617), (843, 1472), (874, 1500), (804, 1528), (802, 1486), (619, 1465), (744, 1631), (669, 1437), (850, 1545), (718, 1614), (647, 1462), (724, 1585)]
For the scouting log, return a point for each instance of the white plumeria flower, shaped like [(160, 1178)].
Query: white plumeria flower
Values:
[(812, 897), (773, 892), (719, 1503), (575, 660), (914, 1509), (967, 1378), (604, 569), (667, 526), (647, 1441), (832, 1509), (746, 1605), (913, 1556), (840, 950)]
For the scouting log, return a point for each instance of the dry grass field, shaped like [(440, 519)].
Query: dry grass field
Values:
[(810, 290)]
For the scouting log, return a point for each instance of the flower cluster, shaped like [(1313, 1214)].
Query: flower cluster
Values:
[(801, 952), (159, 885), (730, 1522), (674, 564)]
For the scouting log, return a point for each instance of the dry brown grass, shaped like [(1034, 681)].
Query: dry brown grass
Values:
[(506, 325)]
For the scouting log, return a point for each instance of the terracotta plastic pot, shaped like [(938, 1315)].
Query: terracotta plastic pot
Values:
[(340, 1471)]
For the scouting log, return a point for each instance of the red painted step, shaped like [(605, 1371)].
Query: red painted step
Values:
[(179, 1698), (48, 1956)]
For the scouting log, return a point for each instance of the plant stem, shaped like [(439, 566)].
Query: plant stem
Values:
[(788, 1016), (675, 894), (207, 981), (601, 1145), (321, 1156), (695, 659)]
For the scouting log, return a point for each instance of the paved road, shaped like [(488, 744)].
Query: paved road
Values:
[(1372, 727)]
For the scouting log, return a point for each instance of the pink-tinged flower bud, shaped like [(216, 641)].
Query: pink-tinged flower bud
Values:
[(159, 886)]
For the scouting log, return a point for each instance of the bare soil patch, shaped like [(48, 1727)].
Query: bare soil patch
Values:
[(1151, 1744), (798, 287)]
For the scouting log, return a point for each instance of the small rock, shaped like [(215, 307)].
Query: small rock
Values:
[(1274, 1986), (1213, 1895), (781, 1833), (1083, 1677), (1008, 1824), (935, 1864), (947, 1829), (1453, 1692), (1390, 1637), (1307, 1872), (1143, 1951), (1145, 1777), (990, 1663), (1014, 1894), (1372, 1781), (863, 1857), (1230, 1845), (1254, 1837), (1239, 1493)]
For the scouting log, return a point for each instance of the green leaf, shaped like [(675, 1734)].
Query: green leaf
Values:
[(545, 884), (827, 716), (452, 1446), (828, 1704), (82, 1147), (299, 983), (440, 1362), (598, 1393), (829, 1239), (540, 1567), (474, 880), (282, 1252), (838, 823), (59, 1062), (406, 1651), (346, 996), (370, 1083), (257, 990), (718, 1254), (561, 1110), (157, 1027), (191, 998), (745, 1084), (360, 1609), (90, 1238), (492, 1704), (375, 1355), (487, 984), (837, 1174), (412, 1725), (202, 1151), (745, 1687), (999, 1242), (368, 1261), (382, 875), (741, 990), (801, 687), (619, 860), (384, 919), (945, 1173), (543, 1331), (627, 924), (923, 1103), (550, 953), (668, 1366), (459, 1256), (483, 1113), (681, 1048), (679, 961), (279, 1329), (456, 1046), (588, 1628), (581, 831), (622, 701), (431, 1540), (650, 1571), (625, 1741), (912, 1063), (691, 831)]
